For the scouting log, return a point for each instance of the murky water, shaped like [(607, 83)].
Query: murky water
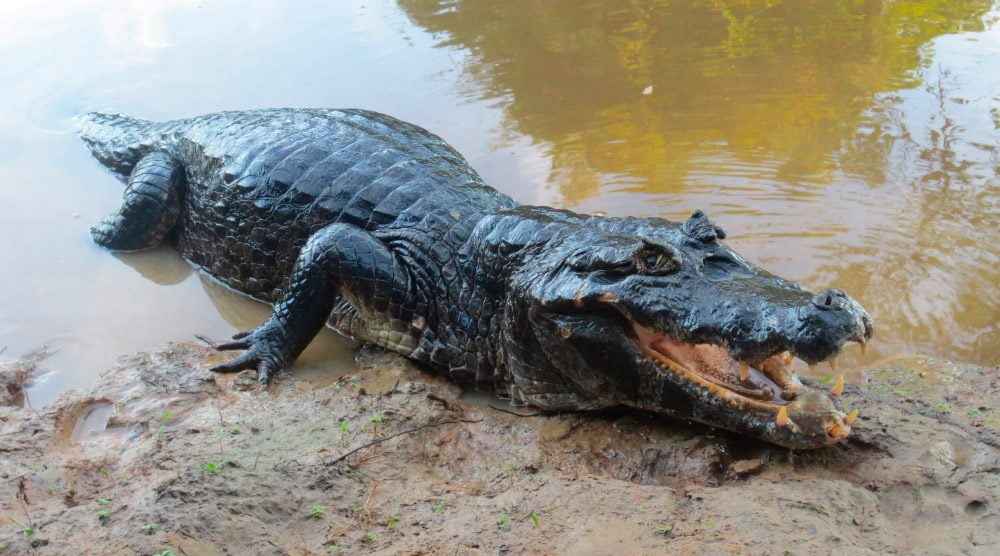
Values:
[(847, 144)]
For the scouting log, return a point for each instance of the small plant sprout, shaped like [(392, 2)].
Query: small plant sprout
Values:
[(334, 549), (504, 522), (534, 517), (391, 522), (103, 501), (379, 417), (369, 537), (102, 514), (167, 415), (106, 472), (438, 508), (214, 466), (344, 426), (234, 430), (26, 528), (317, 512), (663, 529), (148, 528), (167, 552)]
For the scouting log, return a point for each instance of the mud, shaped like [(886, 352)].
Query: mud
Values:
[(163, 455)]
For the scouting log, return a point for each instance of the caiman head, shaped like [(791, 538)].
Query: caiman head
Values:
[(664, 317)]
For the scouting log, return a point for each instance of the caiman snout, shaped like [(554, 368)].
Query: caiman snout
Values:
[(831, 319)]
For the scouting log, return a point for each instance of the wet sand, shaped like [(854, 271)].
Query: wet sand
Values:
[(390, 459)]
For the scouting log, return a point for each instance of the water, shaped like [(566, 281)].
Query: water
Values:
[(846, 144)]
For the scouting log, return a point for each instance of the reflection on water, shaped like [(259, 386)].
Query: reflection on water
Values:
[(851, 144)]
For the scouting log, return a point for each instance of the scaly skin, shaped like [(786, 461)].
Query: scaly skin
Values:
[(381, 230)]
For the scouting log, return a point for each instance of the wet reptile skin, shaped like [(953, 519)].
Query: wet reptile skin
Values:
[(380, 229)]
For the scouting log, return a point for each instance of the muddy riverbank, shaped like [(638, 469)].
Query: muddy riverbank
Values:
[(203, 464)]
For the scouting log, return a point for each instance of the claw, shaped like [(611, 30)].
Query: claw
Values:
[(243, 334), (782, 419), (838, 387), (240, 343), (744, 371), (264, 373), (243, 362), (851, 417)]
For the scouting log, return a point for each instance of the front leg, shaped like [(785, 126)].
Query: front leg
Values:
[(338, 260)]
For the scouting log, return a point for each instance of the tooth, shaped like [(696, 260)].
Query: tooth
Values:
[(788, 358), (833, 364), (851, 417), (864, 346), (744, 371), (838, 387), (782, 418), (812, 369)]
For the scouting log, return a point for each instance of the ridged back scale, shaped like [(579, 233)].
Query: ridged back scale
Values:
[(260, 182)]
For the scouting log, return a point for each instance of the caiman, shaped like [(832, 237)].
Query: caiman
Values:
[(381, 230)]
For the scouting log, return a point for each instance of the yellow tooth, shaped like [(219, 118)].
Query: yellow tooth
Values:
[(812, 369), (788, 358), (744, 371), (833, 364), (782, 418), (864, 346), (838, 387), (851, 417)]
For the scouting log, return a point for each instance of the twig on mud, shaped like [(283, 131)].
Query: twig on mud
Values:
[(502, 410), (222, 432), (3, 350), (401, 433), (206, 340), (222, 423)]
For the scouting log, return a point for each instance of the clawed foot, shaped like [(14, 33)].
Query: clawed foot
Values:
[(265, 352)]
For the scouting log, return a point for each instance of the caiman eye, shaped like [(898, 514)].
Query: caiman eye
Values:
[(656, 260)]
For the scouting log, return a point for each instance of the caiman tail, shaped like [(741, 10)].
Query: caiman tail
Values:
[(116, 140)]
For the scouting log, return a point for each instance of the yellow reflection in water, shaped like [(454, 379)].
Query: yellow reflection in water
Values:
[(845, 143)]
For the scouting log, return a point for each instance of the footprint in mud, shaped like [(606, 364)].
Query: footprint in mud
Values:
[(91, 424)]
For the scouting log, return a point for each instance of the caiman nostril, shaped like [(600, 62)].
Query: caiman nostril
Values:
[(829, 299)]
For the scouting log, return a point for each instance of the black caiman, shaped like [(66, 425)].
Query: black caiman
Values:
[(381, 230)]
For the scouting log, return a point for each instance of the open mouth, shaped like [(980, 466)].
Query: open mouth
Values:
[(767, 388)]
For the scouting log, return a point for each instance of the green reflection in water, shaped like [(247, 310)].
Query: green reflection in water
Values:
[(793, 78)]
